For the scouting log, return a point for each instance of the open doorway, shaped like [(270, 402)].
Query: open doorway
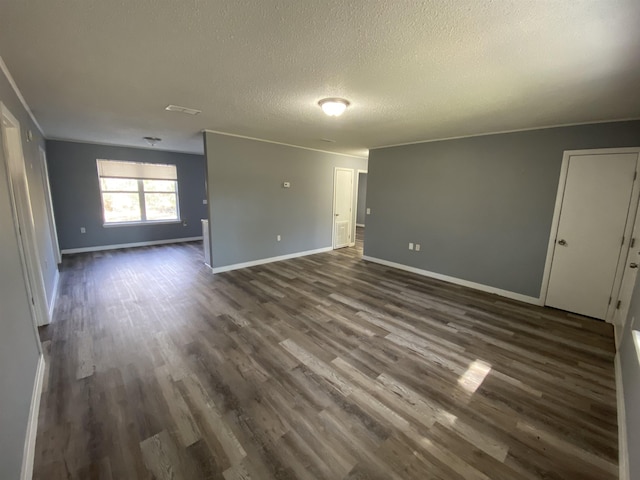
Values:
[(343, 218), (361, 208)]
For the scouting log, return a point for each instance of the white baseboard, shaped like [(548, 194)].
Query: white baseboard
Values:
[(54, 297), (32, 426), (623, 448), (457, 281), (262, 261), (360, 225), (100, 248)]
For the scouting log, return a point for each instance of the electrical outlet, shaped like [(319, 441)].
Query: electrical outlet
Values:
[(204, 202), (410, 246), (368, 211), (417, 247), (184, 222), (278, 238), (83, 230)]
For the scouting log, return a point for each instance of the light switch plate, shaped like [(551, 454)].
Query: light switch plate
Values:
[(286, 184), (368, 211)]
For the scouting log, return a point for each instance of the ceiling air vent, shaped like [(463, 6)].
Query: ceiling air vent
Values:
[(178, 108)]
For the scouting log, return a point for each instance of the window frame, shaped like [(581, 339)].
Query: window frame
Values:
[(141, 200)]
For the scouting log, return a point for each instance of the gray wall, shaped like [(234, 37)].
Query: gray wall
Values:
[(18, 342), (480, 207), (630, 367), (248, 206), (362, 199), (76, 194)]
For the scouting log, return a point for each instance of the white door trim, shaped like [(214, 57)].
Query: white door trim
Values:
[(357, 198), (556, 221), (34, 281), (29, 450), (49, 205), (624, 295), (333, 210)]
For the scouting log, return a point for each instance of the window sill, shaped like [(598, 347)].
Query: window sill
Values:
[(139, 224)]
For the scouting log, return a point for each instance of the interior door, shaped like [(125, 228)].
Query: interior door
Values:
[(593, 217), (342, 207), (19, 190)]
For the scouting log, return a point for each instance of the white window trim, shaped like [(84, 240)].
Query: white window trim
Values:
[(142, 203)]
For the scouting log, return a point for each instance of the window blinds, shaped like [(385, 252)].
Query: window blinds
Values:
[(147, 171)]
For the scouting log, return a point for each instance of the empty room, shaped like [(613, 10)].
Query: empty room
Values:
[(319, 240)]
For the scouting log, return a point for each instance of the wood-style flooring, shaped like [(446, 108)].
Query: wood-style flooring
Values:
[(323, 367)]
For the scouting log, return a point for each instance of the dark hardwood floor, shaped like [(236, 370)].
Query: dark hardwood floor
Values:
[(323, 367)]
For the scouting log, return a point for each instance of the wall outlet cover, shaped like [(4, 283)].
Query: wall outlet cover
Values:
[(410, 246), (368, 211)]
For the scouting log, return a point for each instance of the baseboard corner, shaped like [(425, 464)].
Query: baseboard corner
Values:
[(29, 451), (262, 261), (623, 446), (457, 281)]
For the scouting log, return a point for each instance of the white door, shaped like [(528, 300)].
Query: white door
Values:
[(342, 207), (591, 229), (23, 216)]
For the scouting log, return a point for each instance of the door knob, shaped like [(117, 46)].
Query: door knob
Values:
[(633, 265), (337, 215), (562, 242)]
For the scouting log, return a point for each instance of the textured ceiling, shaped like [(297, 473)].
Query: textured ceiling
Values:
[(103, 70)]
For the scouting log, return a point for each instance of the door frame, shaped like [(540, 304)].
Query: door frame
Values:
[(333, 210), (46, 185), (29, 256), (625, 294), (633, 207), (357, 198)]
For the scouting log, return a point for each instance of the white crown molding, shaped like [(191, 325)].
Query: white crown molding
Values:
[(122, 145), (206, 130), (14, 85), (501, 132)]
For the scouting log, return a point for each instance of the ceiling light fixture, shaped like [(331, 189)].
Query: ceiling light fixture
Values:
[(152, 140), (179, 109), (334, 107)]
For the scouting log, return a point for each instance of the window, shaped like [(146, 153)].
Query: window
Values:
[(138, 192)]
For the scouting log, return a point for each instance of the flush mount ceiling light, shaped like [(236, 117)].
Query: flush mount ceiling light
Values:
[(152, 140), (334, 107), (179, 109)]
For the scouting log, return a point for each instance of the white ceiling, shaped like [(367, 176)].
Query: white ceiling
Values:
[(103, 70)]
